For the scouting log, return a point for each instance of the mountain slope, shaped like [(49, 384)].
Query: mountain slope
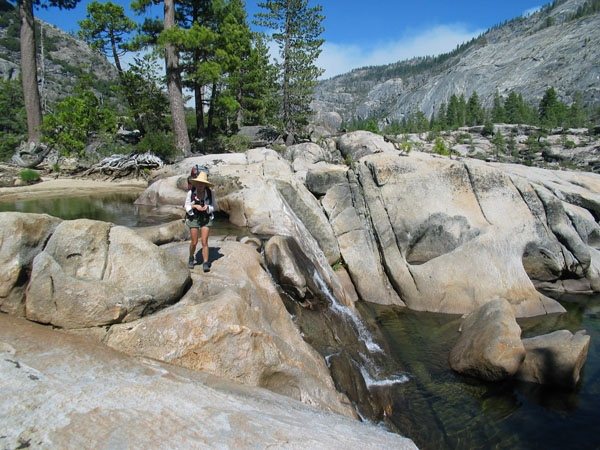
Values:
[(65, 58), (526, 55)]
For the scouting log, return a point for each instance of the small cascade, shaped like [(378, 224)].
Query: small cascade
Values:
[(342, 310), (368, 368)]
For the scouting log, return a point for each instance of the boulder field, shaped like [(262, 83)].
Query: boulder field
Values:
[(423, 231)]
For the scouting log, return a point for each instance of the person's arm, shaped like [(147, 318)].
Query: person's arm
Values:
[(188, 202), (209, 200)]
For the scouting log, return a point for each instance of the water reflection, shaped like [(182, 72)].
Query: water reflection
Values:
[(116, 208), (440, 409)]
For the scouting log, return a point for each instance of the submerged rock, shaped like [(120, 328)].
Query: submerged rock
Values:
[(490, 344), (555, 358), (78, 394)]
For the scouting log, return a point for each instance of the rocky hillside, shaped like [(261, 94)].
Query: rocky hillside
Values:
[(526, 55), (64, 58)]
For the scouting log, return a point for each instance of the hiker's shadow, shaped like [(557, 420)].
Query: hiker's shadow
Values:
[(214, 253)]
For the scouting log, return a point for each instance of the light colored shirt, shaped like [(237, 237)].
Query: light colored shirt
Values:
[(209, 201)]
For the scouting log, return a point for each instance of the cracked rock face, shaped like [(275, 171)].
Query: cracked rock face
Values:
[(232, 323), (79, 394)]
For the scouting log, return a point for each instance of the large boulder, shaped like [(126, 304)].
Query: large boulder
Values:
[(555, 358), (94, 273), (232, 323), (160, 234), (302, 156), (22, 237), (360, 143), (452, 234), (321, 177), (61, 391), (489, 346), (258, 190)]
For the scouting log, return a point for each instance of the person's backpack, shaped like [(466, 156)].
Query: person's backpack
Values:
[(194, 173)]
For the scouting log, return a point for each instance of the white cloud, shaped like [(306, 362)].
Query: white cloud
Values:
[(340, 58)]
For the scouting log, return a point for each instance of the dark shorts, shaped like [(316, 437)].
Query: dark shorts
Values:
[(199, 223)]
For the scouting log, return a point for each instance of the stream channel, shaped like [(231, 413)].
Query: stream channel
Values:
[(398, 375)]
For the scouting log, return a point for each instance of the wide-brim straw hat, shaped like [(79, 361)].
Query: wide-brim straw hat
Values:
[(202, 178)]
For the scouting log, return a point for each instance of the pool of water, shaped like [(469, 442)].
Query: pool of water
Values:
[(116, 208), (440, 409)]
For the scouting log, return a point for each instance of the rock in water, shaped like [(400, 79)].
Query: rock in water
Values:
[(555, 358), (490, 345)]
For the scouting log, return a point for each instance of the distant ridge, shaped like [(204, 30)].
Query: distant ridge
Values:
[(558, 46)]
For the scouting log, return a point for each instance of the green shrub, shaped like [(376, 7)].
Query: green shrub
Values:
[(8, 143), (406, 147), (236, 143), (29, 176), (439, 147), (74, 120), (160, 143), (488, 129)]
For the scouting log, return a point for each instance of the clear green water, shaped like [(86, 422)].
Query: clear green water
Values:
[(116, 208), (440, 409)]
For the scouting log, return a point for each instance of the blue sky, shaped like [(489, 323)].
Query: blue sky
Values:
[(360, 33)]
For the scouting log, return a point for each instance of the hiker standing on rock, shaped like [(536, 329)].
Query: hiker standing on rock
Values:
[(199, 208)]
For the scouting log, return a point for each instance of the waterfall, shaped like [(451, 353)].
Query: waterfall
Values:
[(368, 369)]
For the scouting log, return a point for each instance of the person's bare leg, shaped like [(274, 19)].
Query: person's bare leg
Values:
[(193, 244), (204, 235)]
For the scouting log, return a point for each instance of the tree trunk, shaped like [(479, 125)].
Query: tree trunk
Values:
[(180, 133), (113, 46), (31, 93), (199, 102), (211, 109)]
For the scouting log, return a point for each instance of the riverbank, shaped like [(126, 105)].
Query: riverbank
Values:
[(53, 187)]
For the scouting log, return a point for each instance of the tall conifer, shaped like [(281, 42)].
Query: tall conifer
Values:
[(296, 31)]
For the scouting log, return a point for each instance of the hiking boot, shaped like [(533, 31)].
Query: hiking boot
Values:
[(191, 263), (206, 267)]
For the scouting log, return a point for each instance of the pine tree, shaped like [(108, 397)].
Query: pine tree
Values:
[(453, 112), (576, 111), (498, 113), (475, 112), (512, 108), (104, 28), (173, 69), (552, 112), (441, 117), (462, 111), (296, 31)]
